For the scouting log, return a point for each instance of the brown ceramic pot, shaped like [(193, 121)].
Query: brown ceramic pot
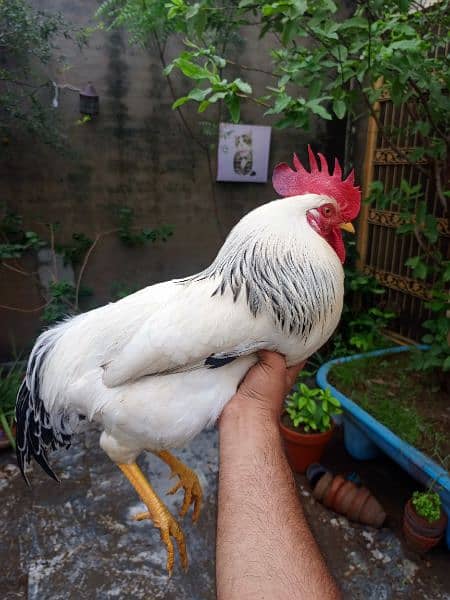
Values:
[(422, 535), (346, 498), (332, 491), (356, 505), (303, 449), (322, 486)]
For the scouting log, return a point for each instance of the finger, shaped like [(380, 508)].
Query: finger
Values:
[(292, 374)]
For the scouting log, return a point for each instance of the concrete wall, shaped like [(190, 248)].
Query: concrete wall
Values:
[(136, 153)]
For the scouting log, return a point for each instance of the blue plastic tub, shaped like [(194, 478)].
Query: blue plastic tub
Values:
[(365, 437)]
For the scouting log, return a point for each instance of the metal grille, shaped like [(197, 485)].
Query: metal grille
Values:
[(382, 251)]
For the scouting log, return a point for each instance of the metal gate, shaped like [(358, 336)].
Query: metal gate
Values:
[(381, 250)]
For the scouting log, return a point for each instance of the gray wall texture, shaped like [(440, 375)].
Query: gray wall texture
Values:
[(136, 153)]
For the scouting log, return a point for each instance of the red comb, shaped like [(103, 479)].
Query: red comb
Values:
[(288, 182)]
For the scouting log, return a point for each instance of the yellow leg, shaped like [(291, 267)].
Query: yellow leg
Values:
[(188, 481), (158, 513)]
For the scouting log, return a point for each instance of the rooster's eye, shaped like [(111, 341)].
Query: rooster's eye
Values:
[(327, 211)]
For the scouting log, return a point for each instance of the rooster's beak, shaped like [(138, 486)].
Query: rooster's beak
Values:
[(347, 227)]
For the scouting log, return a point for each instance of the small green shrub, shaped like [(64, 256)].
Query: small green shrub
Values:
[(427, 505), (312, 408), (10, 381)]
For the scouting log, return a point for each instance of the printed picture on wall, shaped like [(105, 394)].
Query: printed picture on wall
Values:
[(243, 153)]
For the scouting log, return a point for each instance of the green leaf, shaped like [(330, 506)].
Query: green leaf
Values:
[(312, 407), (234, 106), (180, 102), (420, 269), (216, 96), (318, 109), (330, 6), (190, 69), (203, 106), (446, 273), (406, 45), (281, 103), (405, 228), (242, 86), (192, 11), (339, 108), (198, 94), (302, 402), (334, 401), (289, 32), (304, 389)]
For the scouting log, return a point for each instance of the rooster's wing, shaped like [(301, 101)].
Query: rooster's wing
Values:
[(194, 329)]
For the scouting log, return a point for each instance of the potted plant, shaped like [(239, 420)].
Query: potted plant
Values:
[(306, 425), (424, 521), (10, 380)]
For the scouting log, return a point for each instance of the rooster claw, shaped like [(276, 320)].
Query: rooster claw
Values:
[(192, 494), (169, 528), (188, 481)]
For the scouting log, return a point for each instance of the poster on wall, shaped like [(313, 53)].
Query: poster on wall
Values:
[(243, 153)]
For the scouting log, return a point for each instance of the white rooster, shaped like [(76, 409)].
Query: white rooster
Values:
[(154, 369)]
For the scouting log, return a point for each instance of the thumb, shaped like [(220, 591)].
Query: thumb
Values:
[(271, 361)]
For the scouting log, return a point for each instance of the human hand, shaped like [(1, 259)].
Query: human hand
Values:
[(266, 384)]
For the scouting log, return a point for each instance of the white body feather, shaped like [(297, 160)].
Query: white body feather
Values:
[(137, 366)]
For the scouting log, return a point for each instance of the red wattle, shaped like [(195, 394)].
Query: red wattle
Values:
[(334, 238)]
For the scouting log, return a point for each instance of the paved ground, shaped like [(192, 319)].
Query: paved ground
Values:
[(78, 541)]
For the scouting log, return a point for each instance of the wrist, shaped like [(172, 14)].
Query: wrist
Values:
[(247, 411), (250, 444)]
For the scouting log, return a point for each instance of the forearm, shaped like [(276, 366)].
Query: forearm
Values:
[(264, 546)]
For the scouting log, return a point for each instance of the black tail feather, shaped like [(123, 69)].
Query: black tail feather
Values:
[(37, 431)]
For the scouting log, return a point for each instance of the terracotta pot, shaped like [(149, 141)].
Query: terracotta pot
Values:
[(422, 535), (346, 498), (303, 449), (322, 486), (356, 505), (332, 491), (372, 513)]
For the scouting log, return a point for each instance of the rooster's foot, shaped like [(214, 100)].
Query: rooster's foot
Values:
[(158, 513), (169, 528), (188, 481)]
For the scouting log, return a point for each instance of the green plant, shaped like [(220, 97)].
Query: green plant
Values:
[(131, 235), (74, 253), (120, 289), (28, 41), (61, 301), (14, 240), (10, 381), (312, 408), (61, 297), (427, 505)]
